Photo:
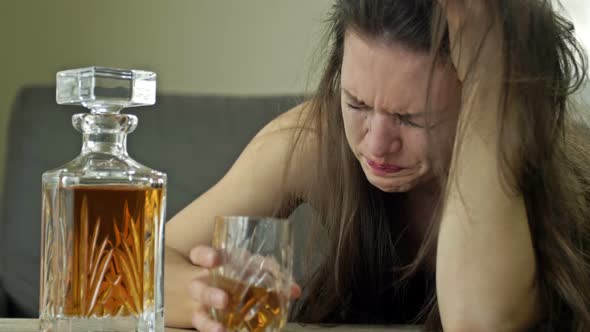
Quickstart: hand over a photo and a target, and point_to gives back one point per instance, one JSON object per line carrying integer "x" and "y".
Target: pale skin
{"x": 485, "y": 257}
{"x": 485, "y": 261}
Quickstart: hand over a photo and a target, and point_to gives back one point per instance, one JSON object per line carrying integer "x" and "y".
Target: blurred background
{"x": 254, "y": 47}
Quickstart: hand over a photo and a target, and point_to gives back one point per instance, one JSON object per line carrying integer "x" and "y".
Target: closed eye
{"x": 358, "y": 107}
{"x": 406, "y": 120}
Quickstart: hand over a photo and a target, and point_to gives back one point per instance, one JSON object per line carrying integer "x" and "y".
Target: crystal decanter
{"x": 103, "y": 214}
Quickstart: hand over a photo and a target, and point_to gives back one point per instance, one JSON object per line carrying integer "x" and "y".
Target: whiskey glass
{"x": 255, "y": 271}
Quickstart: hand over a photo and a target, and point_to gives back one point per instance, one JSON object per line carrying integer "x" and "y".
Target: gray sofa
{"x": 194, "y": 139}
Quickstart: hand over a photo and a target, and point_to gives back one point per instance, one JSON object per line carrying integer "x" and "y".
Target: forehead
{"x": 389, "y": 75}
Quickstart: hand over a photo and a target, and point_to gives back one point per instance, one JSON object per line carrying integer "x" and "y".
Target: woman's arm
{"x": 253, "y": 186}
{"x": 485, "y": 258}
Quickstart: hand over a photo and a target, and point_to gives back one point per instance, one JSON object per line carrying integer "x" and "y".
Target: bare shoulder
{"x": 290, "y": 141}
{"x": 291, "y": 121}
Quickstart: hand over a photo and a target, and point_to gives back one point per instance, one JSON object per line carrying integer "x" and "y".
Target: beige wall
{"x": 195, "y": 46}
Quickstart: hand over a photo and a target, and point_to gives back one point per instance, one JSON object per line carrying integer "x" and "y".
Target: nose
{"x": 383, "y": 135}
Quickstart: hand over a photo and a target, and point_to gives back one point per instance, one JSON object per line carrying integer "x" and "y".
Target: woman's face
{"x": 383, "y": 98}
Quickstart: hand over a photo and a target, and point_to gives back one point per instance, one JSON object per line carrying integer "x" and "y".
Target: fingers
{"x": 475, "y": 35}
{"x": 208, "y": 296}
{"x": 203, "y": 322}
{"x": 204, "y": 256}
{"x": 295, "y": 291}
{"x": 452, "y": 13}
{"x": 202, "y": 293}
{"x": 468, "y": 17}
{"x": 459, "y": 11}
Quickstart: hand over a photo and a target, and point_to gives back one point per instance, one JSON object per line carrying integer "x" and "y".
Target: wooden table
{"x": 31, "y": 325}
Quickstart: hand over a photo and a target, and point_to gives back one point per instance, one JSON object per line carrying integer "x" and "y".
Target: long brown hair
{"x": 365, "y": 262}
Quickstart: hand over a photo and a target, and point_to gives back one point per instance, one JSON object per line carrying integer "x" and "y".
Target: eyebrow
{"x": 353, "y": 97}
{"x": 362, "y": 103}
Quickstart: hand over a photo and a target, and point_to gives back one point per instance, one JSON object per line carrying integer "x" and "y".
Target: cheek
{"x": 416, "y": 144}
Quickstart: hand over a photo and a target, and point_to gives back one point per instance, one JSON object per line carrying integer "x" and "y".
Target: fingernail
{"x": 211, "y": 257}
{"x": 218, "y": 299}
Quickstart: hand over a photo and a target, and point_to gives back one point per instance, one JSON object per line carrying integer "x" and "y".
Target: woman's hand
{"x": 208, "y": 296}
{"x": 200, "y": 290}
{"x": 478, "y": 54}
{"x": 475, "y": 33}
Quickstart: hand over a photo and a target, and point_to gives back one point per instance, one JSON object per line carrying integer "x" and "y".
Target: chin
{"x": 390, "y": 186}
{"x": 393, "y": 189}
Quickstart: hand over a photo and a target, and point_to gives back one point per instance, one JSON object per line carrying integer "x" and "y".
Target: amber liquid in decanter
{"x": 109, "y": 251}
